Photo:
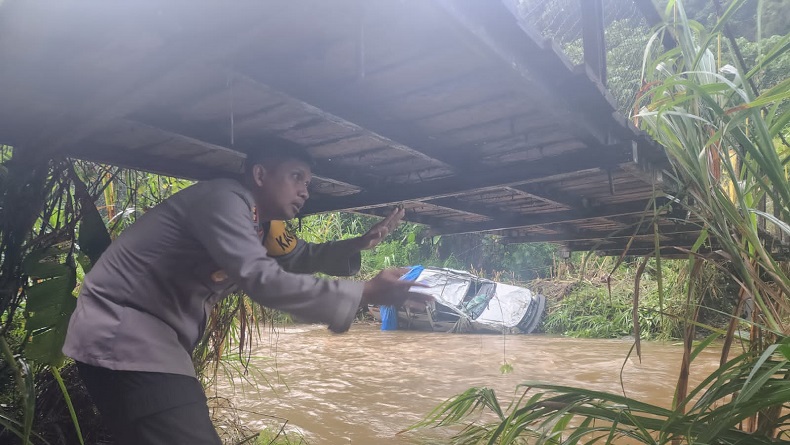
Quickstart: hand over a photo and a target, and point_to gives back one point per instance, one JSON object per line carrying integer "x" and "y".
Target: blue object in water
{"x": 389, "y": 314}
{"x": 389, "y": 317}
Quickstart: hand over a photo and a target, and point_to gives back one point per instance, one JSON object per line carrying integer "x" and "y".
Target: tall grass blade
{"x": 67, "y": 398}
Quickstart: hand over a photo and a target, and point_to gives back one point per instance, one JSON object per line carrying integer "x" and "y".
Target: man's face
{"x": 281, "y": 188}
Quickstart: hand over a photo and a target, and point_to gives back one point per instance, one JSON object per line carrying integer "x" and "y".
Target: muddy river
{"x": 365, "y": 386}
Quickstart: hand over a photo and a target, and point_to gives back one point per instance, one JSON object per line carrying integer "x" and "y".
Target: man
{"x": 143, "y": 306}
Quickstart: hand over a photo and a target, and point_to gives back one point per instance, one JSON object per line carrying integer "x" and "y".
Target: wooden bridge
{"x": 454, "y": 108}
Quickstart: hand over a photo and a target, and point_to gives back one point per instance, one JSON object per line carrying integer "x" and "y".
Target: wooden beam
{"x": 622, "y": 234}
{"x": 549, "y": 218}
{"x": 539, "y": 62}
{"x": 149, "y": 163}
{"x": 453, "y": 203}
{"x": 679, "y": 240}
{"x": 554, "y": 196}
{"x": 530, "y": 64}
{"x": 466, "y": 182}
{"x": 642, "y": 247}
{"x": 418, "y": 218}
{"x": 202, "y": 134}
{"x": 665, "y": 252}
{"x": 351, "y": 107}
{"x": 142, "y": 158}
{"x": 318, "y": 115}
{"x": 329, "y": 170}
{"x": 412, "y": 138}
{"x": 545, "y": 65}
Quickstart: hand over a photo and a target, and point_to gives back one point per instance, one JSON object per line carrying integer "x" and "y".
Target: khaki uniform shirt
{"x": 144, "y": 305}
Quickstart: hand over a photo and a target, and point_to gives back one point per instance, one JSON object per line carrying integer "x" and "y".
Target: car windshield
{"x": 477, "y": 297}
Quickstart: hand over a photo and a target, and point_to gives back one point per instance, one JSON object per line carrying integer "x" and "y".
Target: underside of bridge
{"x": 452, "y": 108}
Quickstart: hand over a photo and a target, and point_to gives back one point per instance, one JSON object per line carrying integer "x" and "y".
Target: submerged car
{"x": 467, "y": 303}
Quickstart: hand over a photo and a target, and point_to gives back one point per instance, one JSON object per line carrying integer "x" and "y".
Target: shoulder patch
{"x": 279, "y": 241}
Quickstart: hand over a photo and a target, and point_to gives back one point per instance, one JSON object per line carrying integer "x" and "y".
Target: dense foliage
{"x": 724, "y": 125}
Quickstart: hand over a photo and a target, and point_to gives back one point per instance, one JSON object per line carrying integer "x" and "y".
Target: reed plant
{"x": 719, "y": 134}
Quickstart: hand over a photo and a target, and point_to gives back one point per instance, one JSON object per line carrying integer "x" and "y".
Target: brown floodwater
{"x": 365, "y": 386}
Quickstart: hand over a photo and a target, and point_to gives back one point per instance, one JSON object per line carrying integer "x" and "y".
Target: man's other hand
{"x": 383, "y": 228}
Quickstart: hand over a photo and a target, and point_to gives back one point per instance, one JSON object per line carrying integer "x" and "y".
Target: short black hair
{"x": 265, "y": 149}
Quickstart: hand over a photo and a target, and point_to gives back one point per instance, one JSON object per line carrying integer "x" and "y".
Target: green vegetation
{"x": 551, "y": 414}
{"x": 726, "y": 139}
{"x": 47, "y": 243}
{"x": 409, "y": 245}
{"x": 598, "y": 300}
{"x": 601, "y": 306}
{"x": 773, "y": 15}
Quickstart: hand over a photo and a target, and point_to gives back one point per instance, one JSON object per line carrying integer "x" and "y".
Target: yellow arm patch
{"x": 279, "y": 240}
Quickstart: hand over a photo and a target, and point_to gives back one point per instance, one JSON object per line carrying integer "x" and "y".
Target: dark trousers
{"x": 150, "y": 408}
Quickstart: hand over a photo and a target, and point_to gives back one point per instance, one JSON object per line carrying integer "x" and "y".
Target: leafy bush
{"x": 600, "y": 305}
